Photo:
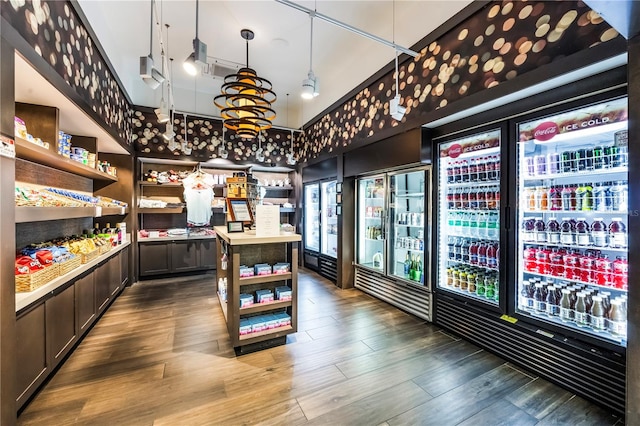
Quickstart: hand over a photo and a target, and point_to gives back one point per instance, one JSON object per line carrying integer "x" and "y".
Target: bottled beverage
{"x": 118, "y": 234}
{"x": 598, "y": 155}
{"x": 464, "y": 283}
{"x": 491, "y": 168}
{"x": 621, "y": 157}
{"x": 496, "y": 166}
{"x": 567, "y": 232}
{"x": 96, "y": 229}
{"x": 480, "y": 287}
{"x": 618, "y": 319}
{"x": 526, "y": 296}
{"x": 554, "y": 164}
{"x": 491, "y": 255}
{"x": 553, "y": 307}
{"x": 530, "y": 259}
{"x": 619, "y": 196}
{"x": 464, "y": 171}
{"x": 465, "y": 250}
{"x": 568, "y": 161}
{"x": 569, "y": 198}
{"x": 482, "y": 254}
{"x": 473, "y": 198}
{"x": 584, "y": 197}
{"x": 556, "y": 264}
{"x": 540, "y": 230}
{"x": 570, "y": 260}
{"x": 541, "y": 198}
{"x": 407, "y": 260}
{"x": 473, "y": 170}
{"x": 589, "y": 159}
{"x": 456, "y": 278}
{"x": 620, "y": 273}
{"x": 543, "y": 261}
{"x": 606, "y": 302}
{"x": 492, "y": 224}
{"x": 471, "y": 281}
{"x": 617, "y": 233}
{"x": 553, "y": 231}
{"x": 457, "y": 176}
{"x": 587, "y": 268}
{"x": 482, "y": 199}
{"x": 583, "y": 237}
{"x": 490, "y": 198}
{"x": 457, "y": 198}
{"x": 581, "y": 159}
{"x": 528, "y": 229}
{"x": 450, "y": 178}
{"x": 377, "y": 260}
{"x": 458, "y": 249}
{"x": 473, "y": 253}
{"x": 418, "y": 275}
{"x": 490, "y": 287}
{"x": 603, "y": 271}
{"x": 541, "y": 164}
{"x": 566, "y": 312}
{"x": 464, "y": 198}
{"x": 599, "y": 232}
{"x": 482, "y": 169}
{"x": 598, "y": 322}
{"x": 555, "y": 198}
{"x": 580, "y": 315}
{"x": 600, "y": 197}
{"x": 539, "y": 299}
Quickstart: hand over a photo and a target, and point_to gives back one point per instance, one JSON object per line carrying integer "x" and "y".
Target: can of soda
{"x": 588, "y": 159}
{"x": 581, "y": 159}
{"x": 530, "y": 167}
{"x": 568, "y": 160}
{"x": 541, "y": 164}
{"x": 598, "y": 154}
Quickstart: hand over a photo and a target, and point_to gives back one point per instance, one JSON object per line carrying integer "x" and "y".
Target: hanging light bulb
{"x": 169, "y": 133}
{"x": 199, "y": 54}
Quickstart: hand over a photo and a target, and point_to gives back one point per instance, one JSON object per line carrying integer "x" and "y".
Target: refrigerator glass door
{"x": 407, "y": 234}
{"x": 469, "y": 216}
{"x": 329, "y": 221}
{"x": 371, "y": 222}
{"x": 572, "y": 219}
{"x": 312, "y": 217}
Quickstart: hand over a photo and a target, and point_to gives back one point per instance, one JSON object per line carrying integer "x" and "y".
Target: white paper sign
{"x": 267, "y": 220}
{"x": 7, "y": 147}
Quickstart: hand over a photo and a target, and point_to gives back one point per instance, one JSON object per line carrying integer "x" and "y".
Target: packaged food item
{"x": 245, "y": 271}
{"x": 246, "y": 300}
{"x": 20, "y": 128}
{"x": 281, "y": 268}
{"x": 262, "y": 269}
{"x": 264, "y": 296}
{"x": 283, "y": 293}
{"x": 245, "y": 326}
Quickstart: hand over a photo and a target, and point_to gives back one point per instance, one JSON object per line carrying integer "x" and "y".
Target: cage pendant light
{"x": 245, "y": 102}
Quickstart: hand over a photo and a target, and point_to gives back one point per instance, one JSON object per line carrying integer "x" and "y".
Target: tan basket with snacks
{"x": 70, "y": 265}
{"x": 104, "y": 248}
{"x": 33, "y": 280}
{"x": 88, "y": 257}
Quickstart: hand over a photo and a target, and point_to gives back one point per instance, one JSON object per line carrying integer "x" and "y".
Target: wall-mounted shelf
{"x": 264, "y": 279}
{"x": 265, "y": 307}
{"x": 37, "y": 154}
{"x": 26, "y": 214}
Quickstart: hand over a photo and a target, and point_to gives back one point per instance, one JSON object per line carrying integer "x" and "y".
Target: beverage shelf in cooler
{"x": 480, "y": 184}
{"x": 401, "y": 225}
{"x": 373, "y": 217}
{"x": 462, "y": 262}
{"x": 583, "y": 174}
{"x": 575, "y": 246}
{"x": 573, "y": 280}
{"x": 451, "y": 233}
{"x": 467, "y": 293}
{"x": 410, "y": 250}
{"x": 474, "y": 210}
{"x": 576, "y": 212}
{"x": 374, "y": 198}
{"x": 374, "y": 239}
{"x": 409, "y": 195}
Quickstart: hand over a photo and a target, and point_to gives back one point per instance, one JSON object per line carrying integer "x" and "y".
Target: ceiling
{"x": 279, "y": 52}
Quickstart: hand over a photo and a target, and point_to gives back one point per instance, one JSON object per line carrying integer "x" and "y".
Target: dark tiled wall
{"x": 55, "y": 32}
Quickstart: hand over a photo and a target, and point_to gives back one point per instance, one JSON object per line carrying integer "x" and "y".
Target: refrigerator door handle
{"x": 383, "y": 231}
{"x": 507, "y": 220}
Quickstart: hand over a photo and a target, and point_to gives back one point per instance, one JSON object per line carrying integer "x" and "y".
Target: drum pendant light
{"x": 245, "y": 102}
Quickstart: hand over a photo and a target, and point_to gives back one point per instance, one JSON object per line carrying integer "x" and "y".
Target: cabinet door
{"x": 85, "y": 302}
{"x": 154, "y": 258}
{"x": 124, "y": 267}
{"x": 207, "y": 254}
{"x": 114, "y": 274}
{"x": 184, "y": 256}
{"x": 61, "y": 324}
{"x": 103, "y": 280}
{"x": 31, "y": 352}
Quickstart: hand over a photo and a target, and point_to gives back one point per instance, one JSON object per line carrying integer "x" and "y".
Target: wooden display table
{"x": 260, "y": 324}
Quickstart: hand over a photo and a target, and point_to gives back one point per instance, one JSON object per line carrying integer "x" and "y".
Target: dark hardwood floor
{"x": 161, "y": 355}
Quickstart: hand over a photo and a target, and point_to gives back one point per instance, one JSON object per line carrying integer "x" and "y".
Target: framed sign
{"x": 338, "y": 198}
{"x": 339, "y": 187}
{"x": 240, "y": 210}
{"x": 235, "y": 226}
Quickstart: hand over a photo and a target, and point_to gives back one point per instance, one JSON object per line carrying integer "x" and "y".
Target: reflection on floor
{"x": 161, "y": 356}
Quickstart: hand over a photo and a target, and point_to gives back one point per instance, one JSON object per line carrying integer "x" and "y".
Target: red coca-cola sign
{"x": 545, "y": 131}
{"x": 455, "y": 150}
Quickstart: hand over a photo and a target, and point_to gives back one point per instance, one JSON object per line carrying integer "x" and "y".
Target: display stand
{"x": 248, "y": 249}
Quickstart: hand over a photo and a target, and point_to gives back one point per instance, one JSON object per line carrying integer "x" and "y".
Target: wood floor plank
{"x": 377, "y": 407}
{"x": 500, "y": 413}
{"x": 539, "y": 398}
{"x": 464, "y": 401}
{"x": 579, "y": 412}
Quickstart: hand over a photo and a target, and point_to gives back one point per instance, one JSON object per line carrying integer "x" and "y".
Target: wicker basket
{"x": 70, "y": 265}
{"x": 88, "y": 257}
{"x": 30, "y": 282}
{"x": 104, "y": 248}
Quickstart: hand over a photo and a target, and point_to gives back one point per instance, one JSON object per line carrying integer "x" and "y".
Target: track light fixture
{"x": 199, "y": 54}
{"x": 310, "y": 85}
{"x": 162, "y": 113}
{"x": 245, "y": 102}
{"x": 151, "y": 76}
{"x": 169, "y": 133}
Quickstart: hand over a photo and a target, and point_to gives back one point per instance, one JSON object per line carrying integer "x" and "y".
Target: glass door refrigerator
{"x": 571, "y": 268}
{"x": 312, "y": 223}
{"x": 468, "y": 217}
{"x": 371, "y": 235}
{"x": 329, "y": 236}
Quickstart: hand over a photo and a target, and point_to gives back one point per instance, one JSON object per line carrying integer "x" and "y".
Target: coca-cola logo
{"x": 545, "y": 131}
{"x": 455, "y": 150}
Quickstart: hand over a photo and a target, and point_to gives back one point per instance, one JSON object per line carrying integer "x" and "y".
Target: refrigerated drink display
{"x": 407, "y": 245}
{"x": 572, "y": 217}
{"x": 312, "y": 217}
{"x": 468, "y": 216}
{"x": 329, "y": 238}
{"x": 371, "y": 222}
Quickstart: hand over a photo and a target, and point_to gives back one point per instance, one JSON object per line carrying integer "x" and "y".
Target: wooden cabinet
{"x": 31, "y": 352}
{"x": 124, "y": 267}
{"x": 103, "y": 286}
{"x": 185, "y": 256}
{"x": 115, "y": 273}
{"x": 85, "y": 302}
{"x": 175, "y": 256}
{"x": 61, "y": 324}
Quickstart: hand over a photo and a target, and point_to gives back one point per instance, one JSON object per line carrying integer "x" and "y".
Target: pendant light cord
{"x": 311, "y": 46}
{"x": 151, "y": 31}
{"x": 197, "y": 6}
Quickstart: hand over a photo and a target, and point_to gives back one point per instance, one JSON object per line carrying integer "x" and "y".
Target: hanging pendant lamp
{"x": 245, "y": 102}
